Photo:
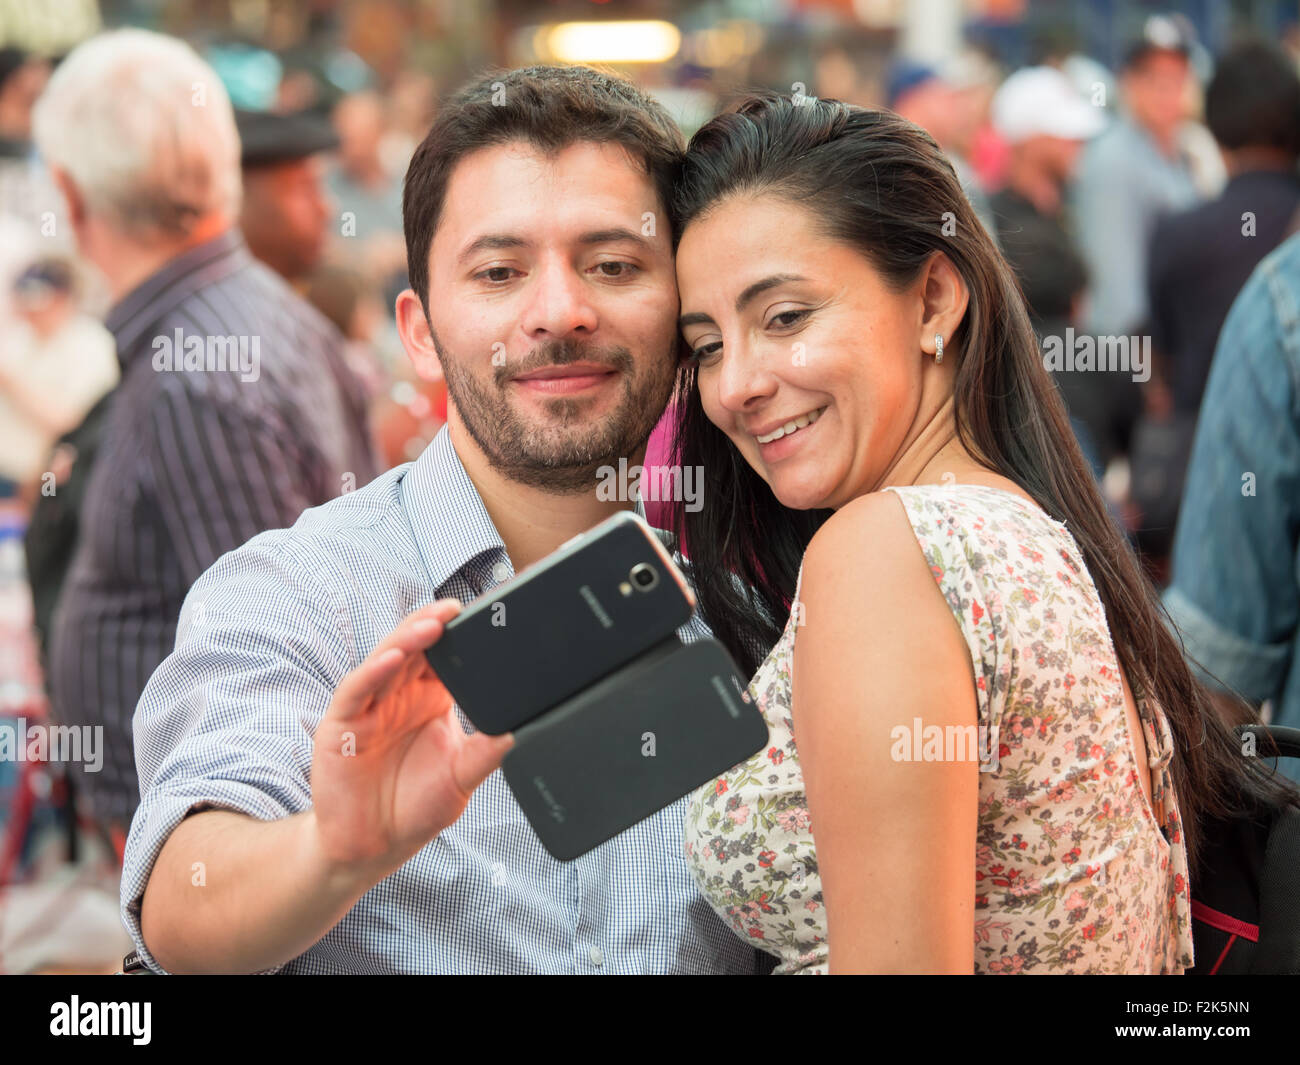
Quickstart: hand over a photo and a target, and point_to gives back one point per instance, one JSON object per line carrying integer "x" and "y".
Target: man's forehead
{"x": 516, "y": 184}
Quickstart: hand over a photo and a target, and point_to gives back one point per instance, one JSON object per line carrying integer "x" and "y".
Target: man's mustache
{"x": 562, "y": 353}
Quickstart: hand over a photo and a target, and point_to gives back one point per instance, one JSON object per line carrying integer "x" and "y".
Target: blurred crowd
{"x": 1134, "y": 205}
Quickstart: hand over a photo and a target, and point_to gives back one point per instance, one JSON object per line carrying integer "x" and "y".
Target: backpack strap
{"x": 1279, "y": 898}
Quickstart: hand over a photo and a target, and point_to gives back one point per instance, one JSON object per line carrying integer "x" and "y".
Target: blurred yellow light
{"x": 649, "y": 41}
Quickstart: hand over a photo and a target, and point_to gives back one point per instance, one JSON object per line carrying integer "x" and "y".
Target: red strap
{"x": 1224, "y": 923}
{"x": 1223, "y": 954}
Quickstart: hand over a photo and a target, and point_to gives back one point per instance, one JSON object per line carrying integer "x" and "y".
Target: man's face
{"x": 1157, "y": 91}
{"x": 285, "y": 215}
{"x": 553, "y": 302}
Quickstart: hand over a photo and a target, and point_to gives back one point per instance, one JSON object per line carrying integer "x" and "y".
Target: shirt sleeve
{"x": 220, "y": 475}
{"x": 1233, "y": 594}
{"x": 228, "y": 718}
{"x": 1110, "y": 201}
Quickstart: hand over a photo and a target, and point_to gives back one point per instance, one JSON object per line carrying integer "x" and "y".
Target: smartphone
{"x": 587, "y": 608}
{"x": 632, "y": 744}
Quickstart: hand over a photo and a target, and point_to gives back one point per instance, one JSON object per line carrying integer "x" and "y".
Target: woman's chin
{"x": 800, "y": 496}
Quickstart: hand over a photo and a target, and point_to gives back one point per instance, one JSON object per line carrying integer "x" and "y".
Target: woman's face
{"x": 790, "y": 328}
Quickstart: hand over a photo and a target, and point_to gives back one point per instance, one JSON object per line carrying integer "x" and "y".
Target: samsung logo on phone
{"x": 557, "y": 811}
{"x": 720, "y": 687}
{"x": 596, "y": 608}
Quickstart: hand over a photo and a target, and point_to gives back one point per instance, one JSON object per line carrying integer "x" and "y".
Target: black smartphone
{"x": 632, "y": 744}
{"x": 595, "y": 603}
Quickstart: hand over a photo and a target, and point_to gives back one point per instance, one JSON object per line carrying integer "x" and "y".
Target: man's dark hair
{"x": 1254, "y": 99}
{"x": 550, "y": 107}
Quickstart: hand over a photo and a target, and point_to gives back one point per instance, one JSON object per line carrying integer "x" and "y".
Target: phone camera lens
{"x": 644, "y": 577}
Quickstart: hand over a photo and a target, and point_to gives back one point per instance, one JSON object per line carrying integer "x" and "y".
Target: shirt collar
{"x": 452, "y": 529}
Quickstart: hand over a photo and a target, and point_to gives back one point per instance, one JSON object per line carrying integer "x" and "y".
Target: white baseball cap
{"x": 1040, "y": 101}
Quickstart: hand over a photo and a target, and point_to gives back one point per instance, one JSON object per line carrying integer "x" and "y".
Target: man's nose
{"x": 559, "y": 303}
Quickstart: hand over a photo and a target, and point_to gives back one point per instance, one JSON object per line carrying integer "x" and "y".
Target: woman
{"x": 885, "y": 451}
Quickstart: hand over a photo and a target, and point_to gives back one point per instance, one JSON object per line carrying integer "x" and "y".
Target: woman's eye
{"x": 786, "y": 319}
{"x": 704, "y": 351}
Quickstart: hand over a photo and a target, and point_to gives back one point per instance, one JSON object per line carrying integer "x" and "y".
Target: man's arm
{"x": 307, "y": 818}
{"x": 1233, "y": 594}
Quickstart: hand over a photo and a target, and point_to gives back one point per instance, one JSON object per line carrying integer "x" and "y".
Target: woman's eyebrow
{"x": 757, "y": 288}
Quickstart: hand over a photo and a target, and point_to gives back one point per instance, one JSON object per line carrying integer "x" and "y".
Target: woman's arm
{"x": 895, "y": 839}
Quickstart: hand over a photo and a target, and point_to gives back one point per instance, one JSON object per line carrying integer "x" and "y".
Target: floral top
{"x": 1075, "y": 872}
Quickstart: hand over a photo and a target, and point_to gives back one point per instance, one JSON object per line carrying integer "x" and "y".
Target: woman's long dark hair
{"x": 881, "y": 185}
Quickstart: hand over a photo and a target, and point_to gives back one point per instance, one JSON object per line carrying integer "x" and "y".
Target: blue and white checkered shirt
{"x": 267, "y": 634}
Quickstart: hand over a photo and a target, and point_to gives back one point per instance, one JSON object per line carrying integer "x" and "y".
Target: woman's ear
{"x": 944, "y": 298}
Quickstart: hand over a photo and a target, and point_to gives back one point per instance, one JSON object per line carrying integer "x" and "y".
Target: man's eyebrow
{"x": 610, "y": 236}
{"x": 757, "y": 288}
{"x": 491, "y": 241}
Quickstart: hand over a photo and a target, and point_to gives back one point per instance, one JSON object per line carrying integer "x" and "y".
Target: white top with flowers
{"x": 1075, "y": 871}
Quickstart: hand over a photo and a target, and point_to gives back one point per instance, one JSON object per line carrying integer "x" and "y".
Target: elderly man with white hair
{"x": 235, "y": 410}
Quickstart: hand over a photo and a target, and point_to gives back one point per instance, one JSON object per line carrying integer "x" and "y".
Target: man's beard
{"x": 566, "y": 454}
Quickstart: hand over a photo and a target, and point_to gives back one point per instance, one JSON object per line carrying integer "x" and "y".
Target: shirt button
{"x": 501, "y": 572}
{"x": 597, "y": 958}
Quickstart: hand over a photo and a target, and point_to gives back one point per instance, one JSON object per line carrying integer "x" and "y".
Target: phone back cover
{"x": 556, "y": 633}
{"x": 632, "y": 744}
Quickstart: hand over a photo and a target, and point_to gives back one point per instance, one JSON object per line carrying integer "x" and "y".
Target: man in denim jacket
{"x": 1235, "y": 593}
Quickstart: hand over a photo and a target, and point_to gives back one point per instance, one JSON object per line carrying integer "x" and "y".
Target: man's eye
{"x": 614, "y": 268}
{"x": 495, "y": 273}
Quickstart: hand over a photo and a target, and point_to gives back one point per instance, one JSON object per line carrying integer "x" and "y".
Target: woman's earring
{"x": 938, "y": 348}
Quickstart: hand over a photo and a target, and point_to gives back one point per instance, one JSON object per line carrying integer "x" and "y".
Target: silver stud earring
{"x": 938, "y": 348}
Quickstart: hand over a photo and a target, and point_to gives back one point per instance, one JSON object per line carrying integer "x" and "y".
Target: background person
{"x": 192, "y": 463}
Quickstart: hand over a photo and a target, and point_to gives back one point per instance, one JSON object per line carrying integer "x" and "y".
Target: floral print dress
{"x": 1075, "y": 871}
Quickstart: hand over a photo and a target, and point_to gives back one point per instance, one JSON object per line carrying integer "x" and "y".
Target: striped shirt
{"x": 196, "y": 457}
{"x": 227, "y": 721}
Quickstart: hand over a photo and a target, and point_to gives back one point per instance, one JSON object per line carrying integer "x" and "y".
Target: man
{"x": 1045, "y": 123}
{"x": 1201, "y": 258}
{"x": 286, "y": 210}
{"x": 1234, "y": 596}
{"x": 542, "y": 285}
{"x": 921, "y": 95}
{"x": 1131, "y": 175}
{"x": 234, "y": 412}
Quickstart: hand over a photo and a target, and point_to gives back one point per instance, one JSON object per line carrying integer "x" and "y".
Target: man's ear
{"x": 417, "y": 338}
{"x": 72, "y": 198}
{"x": 944, "y": 298}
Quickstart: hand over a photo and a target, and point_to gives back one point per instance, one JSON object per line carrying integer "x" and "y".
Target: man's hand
{"x": 392, "y": 766}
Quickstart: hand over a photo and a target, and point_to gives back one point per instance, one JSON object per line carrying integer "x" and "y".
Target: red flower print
{"x": 766, "y": 858}
{"x": 1003, "y": 750}
{"x": 976, "y": 612}
{"x": 1090, "y": 931}
{"x": 720, "y": 786}
{"x": 1179, "y": 884}
{"x": 777, "y": 755}
{"x": 755, "y": 933}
